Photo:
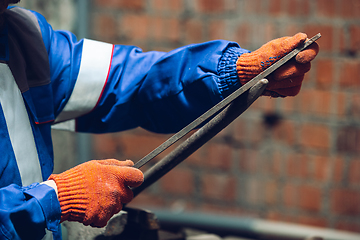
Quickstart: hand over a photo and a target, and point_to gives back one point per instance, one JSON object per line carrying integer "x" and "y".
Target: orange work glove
{"x": 92, "y": 192}
{"x": 286, "y": 80}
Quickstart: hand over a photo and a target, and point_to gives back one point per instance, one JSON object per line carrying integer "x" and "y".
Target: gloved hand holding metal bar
{"x": 240, "y": 100}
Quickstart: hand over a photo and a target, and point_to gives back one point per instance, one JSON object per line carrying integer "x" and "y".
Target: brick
{"x": 277, "y": 163}
{"x": 354, "y": 172}
{"x": 355, "y": 38}
{"x": 342, "y": 103}
{"x": 349, "y": 70}
{"x": 217, "y": 30}
{"x": 285, "y": 132}
{"x": 219, "y": 156}
{"x": 338, "y": 169}
{"x": 326, "y": 8}
{"x": 105, "y": 146}
{"x": 218, "y": 186}
{"x": 172, "y": 30}
{"x": 348, "y": 139}
{"x": 345, "y": 202}
{"x": 250, "y": 131}
{"x": 304, "y": 7}
{"x": 231, "y": 6}
{"x": 253, "y": 191}
{"x": 306, "y": 101}
{"x": 269, "y": 163}
{"x": 315, "y": 136}
{"x": 210, "y": 6}
{"x": 242, "y": 34}
{"x": 349, "y": 9}
{"x": 158, "y": 5}
{"x": 248, "y": 160}
{"x": 324, "y": 73}
{"x": 178, "y": 181}
{"x": 292, "y": 7}
{"x": 135, "y": 26}
{"x": 241, "y": 130}
{"x": 165, "y": 6}
{"x": 310, "y": 198}
{"x": 290, "y": 195}
{"x": 323, "y": 104}
{"x": 133, "y": 4}
{"x": 355, "y": 106}
{"x": 343, "y": 42}
{"x": 275, "y": 7}
{"x": 122, "y": 4}
{"x": 265, "y": 162}
{"x": 321, "y": 168}
{"x": 176, "y": 5}
{"x": 326, "y": 42}
{"x": 257, "y": 131}
{"x": 266, "y": 32}
{"x": 271, "y": 192}
{"x": 266, "y": 104}
{"x": 104, "y": 27}
{"x": 157, "y": 28}
{"x": 253, "y": 7}
{"x": 318, "y": 102}
{"x": 297, "y": 166}
{"x": 164, "y": 29}
{"x": 193, "y": 31}
{"x": 290, "y": 105}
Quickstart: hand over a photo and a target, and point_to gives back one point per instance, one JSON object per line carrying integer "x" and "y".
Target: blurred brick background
{"x": 294, "y": 159}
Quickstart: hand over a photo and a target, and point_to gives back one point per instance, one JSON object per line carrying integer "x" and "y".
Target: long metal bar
{"x": 201, "y": 136}
{"x": 221, "y": 105}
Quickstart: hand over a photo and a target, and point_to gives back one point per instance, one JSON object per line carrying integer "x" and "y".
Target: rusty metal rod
{"x": 201, "y": 136}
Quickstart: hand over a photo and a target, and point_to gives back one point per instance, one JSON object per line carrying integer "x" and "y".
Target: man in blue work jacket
{"x": 47, "y": 77}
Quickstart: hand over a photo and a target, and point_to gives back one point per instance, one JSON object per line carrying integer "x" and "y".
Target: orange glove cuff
{"x": 72, "y": 194}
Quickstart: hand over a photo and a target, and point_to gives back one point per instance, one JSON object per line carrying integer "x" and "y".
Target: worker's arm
{"x": 155, "y": 90}
{"x": 25, "y": 212}
{"x": 109, "y": 88}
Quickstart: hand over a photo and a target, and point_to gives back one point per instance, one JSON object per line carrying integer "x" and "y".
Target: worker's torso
{"x": 25, "y": 102}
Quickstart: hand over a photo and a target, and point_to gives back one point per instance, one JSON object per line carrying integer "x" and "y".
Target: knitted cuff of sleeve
{"x": 72, "y": 195}
{"x": 228, "y": 78}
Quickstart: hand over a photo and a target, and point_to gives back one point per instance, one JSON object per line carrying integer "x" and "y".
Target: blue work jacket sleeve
{"x": 162, "y": 92}
{"x": 158, "y": 91}
{"x": 25, "y": 212}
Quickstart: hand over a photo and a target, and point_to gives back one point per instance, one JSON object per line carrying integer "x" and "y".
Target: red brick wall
{"x": 306, "y": 168}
